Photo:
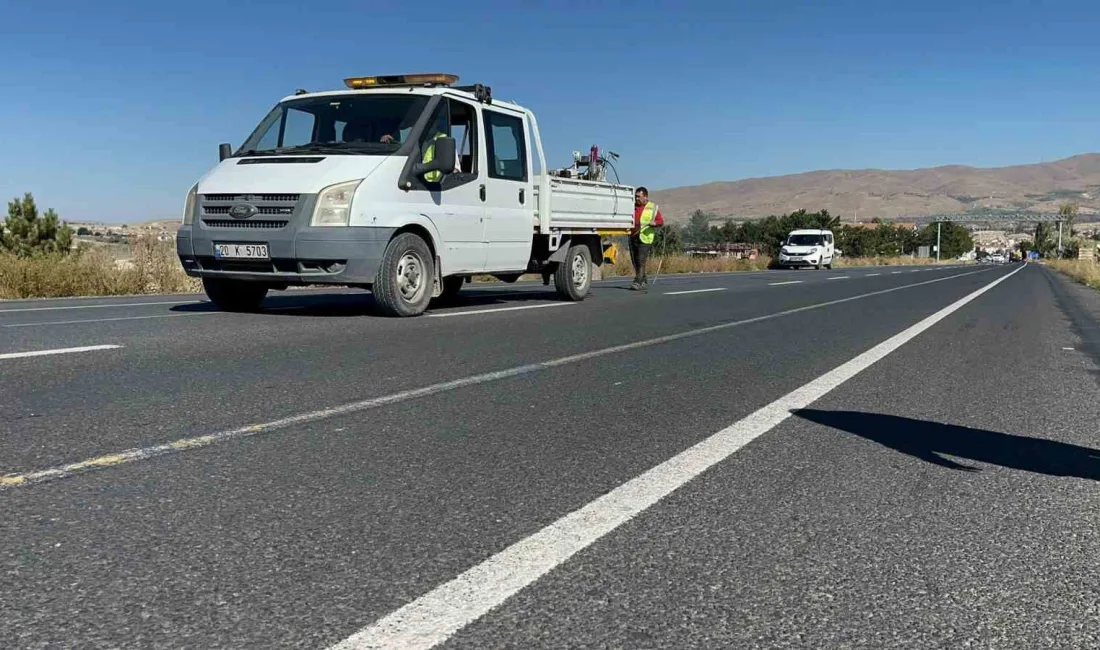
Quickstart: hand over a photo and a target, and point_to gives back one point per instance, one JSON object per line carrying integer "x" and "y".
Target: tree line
{"x": 885, "y": 239}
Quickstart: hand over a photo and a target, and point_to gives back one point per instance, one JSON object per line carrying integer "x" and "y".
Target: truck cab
{"x": 808, "y": 248}
{"x": 403, "y": 185}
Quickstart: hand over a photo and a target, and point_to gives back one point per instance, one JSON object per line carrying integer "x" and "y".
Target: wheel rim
{"x": 580, "y": 271}
{"x": 410, "y": 277}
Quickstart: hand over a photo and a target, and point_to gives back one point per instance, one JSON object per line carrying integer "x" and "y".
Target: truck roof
{"x": 412, "y": 90}
{"x": 811, "y": 231}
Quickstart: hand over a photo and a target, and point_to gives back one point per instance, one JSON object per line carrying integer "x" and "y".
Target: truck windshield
{"x": 805, "y": 240}
{"x": 339, "y": 124}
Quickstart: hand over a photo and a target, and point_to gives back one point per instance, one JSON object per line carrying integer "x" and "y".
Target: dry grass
{"x": 675, "y": 264}
{"x": 899, "y": 260}
{"x": 154, "y": 268}
{"x": 1086, "y": 272}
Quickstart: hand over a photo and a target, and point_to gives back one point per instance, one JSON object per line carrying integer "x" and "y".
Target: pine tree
{"x": 26, "y": 233}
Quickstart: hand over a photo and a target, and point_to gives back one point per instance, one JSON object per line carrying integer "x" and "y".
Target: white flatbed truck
{"x": 403, "y": 185}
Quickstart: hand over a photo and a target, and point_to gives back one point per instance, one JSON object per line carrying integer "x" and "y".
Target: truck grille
{"x": 254, "y": 224}
{"x": 224, "y": 209}
{"x": 267, "y": 198}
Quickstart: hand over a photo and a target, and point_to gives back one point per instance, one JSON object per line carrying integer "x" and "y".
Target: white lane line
{"x": 895, "y": 272}
{"x": 108, "y": 320}
{"x": 871, "y": 275}
{"x": 117, "y": 305}
{"x": 434, "y": 617}
{"x": 198, "y": 442}
{"x": 780, "y": 284}
{"x": 840, "y": 277}
{"x": 681, "y": 293}
{"x": 472, "y": 312}
{"x": 46, "y": 353}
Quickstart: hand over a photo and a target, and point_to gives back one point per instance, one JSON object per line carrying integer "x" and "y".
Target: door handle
{"x": 481, "y": 191}
{"x": 521, "y": 196}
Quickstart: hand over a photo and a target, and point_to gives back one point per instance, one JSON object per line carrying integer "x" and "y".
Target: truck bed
{"x": 578, "y": 205}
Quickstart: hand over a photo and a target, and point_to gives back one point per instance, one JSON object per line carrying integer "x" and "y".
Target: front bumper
{"x": 799, "y": 260}
{"x": 299, "y": 253}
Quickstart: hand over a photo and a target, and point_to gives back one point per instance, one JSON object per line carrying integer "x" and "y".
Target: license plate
{"x": 241, "y": 251}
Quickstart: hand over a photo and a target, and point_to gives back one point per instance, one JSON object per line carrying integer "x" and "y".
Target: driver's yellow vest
{"x": 429, "y": 155}
{"x": 646, "y": 233}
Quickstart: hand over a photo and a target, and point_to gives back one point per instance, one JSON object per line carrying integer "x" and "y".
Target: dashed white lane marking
{"x": 871, "y": 275}
{"x": 471, "y": 312}
{"x": 106, "y": 306}
{"x": 109, "y": 320}
{"x": 681, "y": 293}
{"x": 186, "y": 444}
{"x": 840, "y": 277}
{"x": 434, "y": 617}
{"x": 895, "y": 272}
{"x": 46, "y": 353}
{"x": 779, "y": 284}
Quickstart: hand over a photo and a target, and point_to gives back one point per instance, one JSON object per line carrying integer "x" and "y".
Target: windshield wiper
{"x": 339, "y": 148}
{"x": 253, "y": 152}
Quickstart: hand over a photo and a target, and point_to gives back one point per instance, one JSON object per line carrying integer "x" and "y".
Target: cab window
{"x": 507, "y": 147}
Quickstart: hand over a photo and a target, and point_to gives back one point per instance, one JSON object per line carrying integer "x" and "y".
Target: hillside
{"x": 910, "y": 194}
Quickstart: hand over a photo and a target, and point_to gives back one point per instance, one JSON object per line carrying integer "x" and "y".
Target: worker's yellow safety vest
{"x": 647, "y": 233}
{"x": 429, "y": 155}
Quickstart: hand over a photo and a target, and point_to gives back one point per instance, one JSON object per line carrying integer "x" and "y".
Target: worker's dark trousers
{"x": 639, "y": 254}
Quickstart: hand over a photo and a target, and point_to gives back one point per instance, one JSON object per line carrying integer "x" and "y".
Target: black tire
{"x": 573, "y": 277}
{"x": 235, "y": 295}
{"x": 406, "y": 276}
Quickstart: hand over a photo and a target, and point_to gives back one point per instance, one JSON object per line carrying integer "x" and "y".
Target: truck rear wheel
{"x": 234, "y": 295}
{"x": 403, "y": 286}
{"x": 573, "y": 277}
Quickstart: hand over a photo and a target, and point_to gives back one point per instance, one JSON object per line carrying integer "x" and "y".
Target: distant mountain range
{"x": 907, "y": 195}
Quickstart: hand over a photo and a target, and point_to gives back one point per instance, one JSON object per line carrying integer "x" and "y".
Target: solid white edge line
{"x": 46, "y": 353}
{"x": 681, "y": 293}
{"x": 117, "y": 305}
{"x": 495, "y": 309}
{"x": 437, "y": 615}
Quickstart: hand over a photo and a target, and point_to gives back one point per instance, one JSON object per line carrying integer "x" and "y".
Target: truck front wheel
{"x": 573, "y": 277}
{"x": 234, "y": 295}
{"x": 403, "y": 286}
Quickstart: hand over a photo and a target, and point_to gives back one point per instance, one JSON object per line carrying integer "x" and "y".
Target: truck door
{"x": 509, "y": 222}
{"x": 456, "y": 205}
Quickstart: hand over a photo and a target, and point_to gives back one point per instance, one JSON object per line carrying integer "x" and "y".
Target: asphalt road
{"x": 865, "y": 458}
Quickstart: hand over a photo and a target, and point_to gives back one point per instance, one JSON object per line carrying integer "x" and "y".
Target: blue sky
{"x": 110, "y": 110}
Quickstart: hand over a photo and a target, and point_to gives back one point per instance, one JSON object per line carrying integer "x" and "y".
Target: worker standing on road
{"x": 647, "y": 219}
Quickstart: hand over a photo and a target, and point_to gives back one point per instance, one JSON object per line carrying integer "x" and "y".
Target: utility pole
{"x": 939, "y": 224}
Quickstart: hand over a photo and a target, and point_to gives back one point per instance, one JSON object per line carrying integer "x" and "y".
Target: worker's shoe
{"x": 635, "y": 287}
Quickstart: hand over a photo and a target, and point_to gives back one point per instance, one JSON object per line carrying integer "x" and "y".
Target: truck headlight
{"x": 334, "y": 204}
{"x": 189, "y": 205}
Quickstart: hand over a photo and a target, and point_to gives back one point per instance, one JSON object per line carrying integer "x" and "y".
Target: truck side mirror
{"x": 224, "y": 151}
{"x": 443, "y": 158}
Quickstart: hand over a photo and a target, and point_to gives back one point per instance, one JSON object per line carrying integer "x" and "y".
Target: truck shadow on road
{"x": 362, "y": 304}
{"x": 931, "y": 441}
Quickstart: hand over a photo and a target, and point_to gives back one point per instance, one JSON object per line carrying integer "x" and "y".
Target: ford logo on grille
{"x": 242, "y": 210}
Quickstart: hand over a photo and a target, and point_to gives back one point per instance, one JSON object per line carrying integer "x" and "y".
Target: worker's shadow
{"x": 931, "y": 441}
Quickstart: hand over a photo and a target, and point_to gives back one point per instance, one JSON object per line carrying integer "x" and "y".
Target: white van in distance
{"x": 403, "y": 185}
{"x": 812, "y": 248}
